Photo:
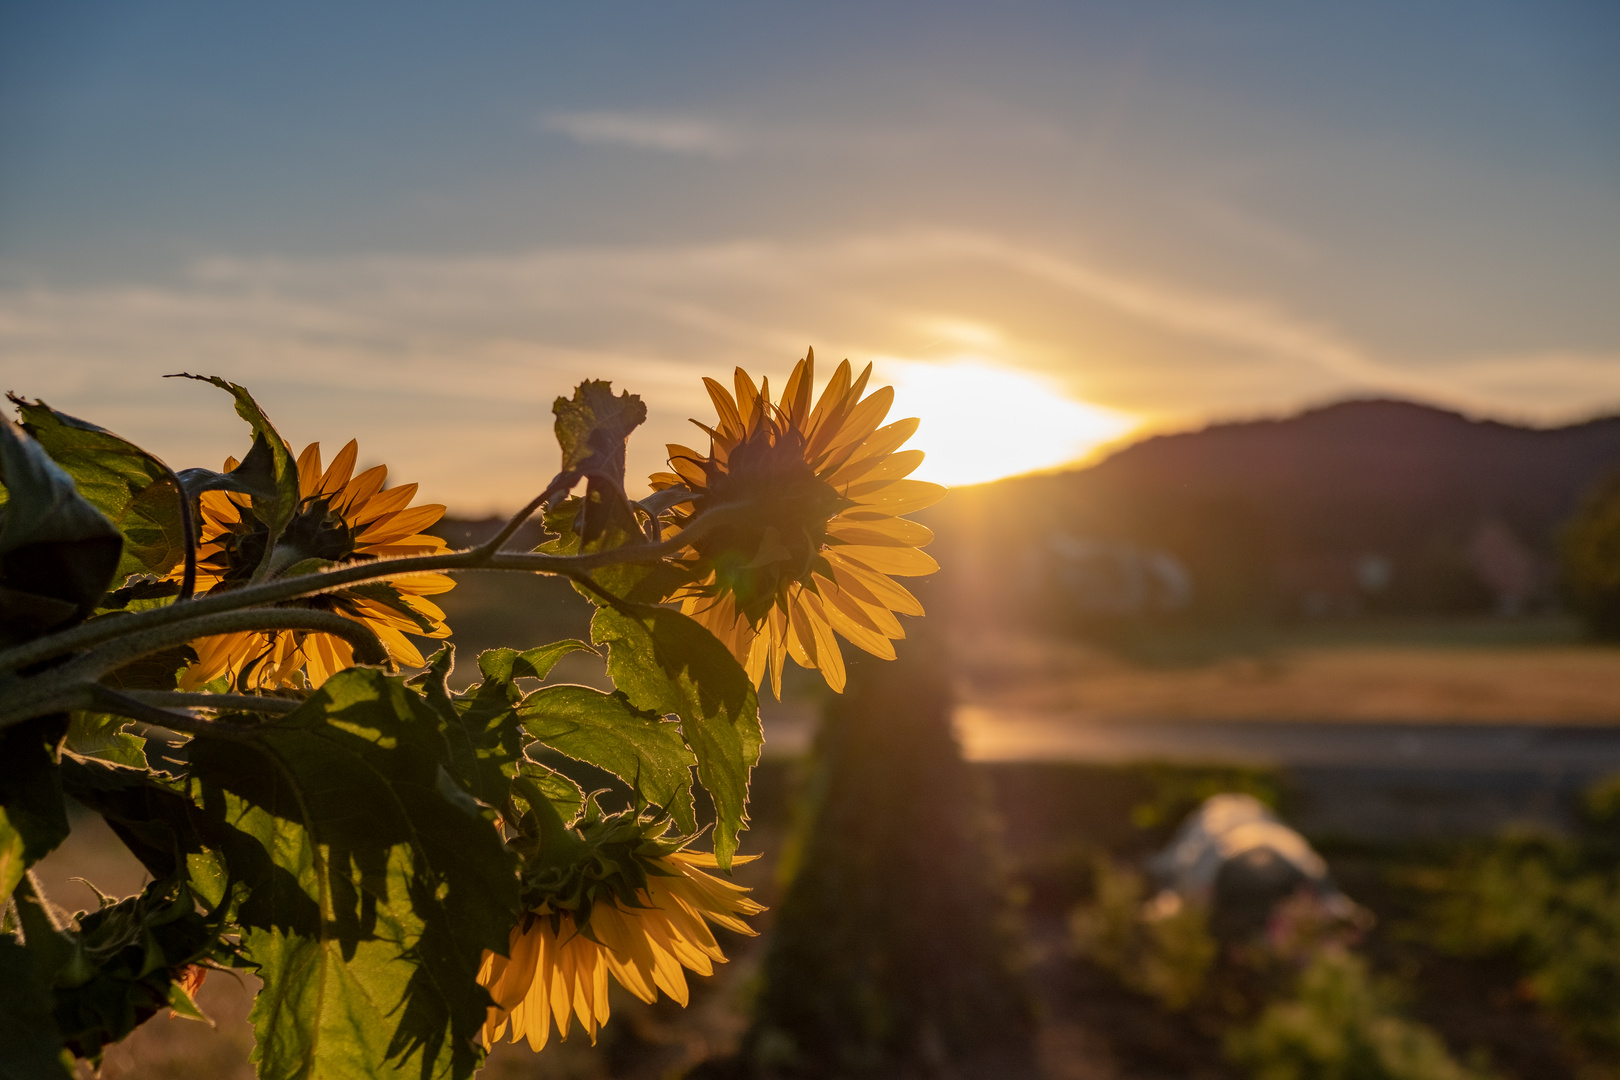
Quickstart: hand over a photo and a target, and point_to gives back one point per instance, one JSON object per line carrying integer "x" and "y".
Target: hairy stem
{"x": 176, "y": 699}
{"x": 63, "y": 688}
{"x": 272, "y": 592}
{"x": 561, "y": 483}
{"x": 108, "y": 700}
{"x": 188, "y": 536}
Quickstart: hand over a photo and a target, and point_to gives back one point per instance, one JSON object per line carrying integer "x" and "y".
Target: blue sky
{"x": 394, "y": 217}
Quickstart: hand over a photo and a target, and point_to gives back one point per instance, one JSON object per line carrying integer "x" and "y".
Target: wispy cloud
{"x": 644, "y": 131}
{"x": 413, "y": 355}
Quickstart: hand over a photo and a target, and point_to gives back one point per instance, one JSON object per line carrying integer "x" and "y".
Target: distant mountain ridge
{"x": 1272, "y": 509}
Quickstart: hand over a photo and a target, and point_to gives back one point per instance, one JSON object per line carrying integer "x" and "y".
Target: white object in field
{"x": 1225, "y": 828}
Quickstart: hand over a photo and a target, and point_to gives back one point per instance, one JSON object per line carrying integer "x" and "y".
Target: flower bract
{"x": 558, "y": 969}
{"x": 340, "y": 518}
{"x": 814, "y": 534}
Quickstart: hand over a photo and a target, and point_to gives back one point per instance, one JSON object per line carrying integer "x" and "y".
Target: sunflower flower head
{"x": 621, "y": 903}
{"x": 341, "y": 517}
{"x": 812, "y": 536}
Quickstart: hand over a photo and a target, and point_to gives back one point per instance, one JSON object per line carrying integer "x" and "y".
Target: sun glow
{"x": 981, "y": 421}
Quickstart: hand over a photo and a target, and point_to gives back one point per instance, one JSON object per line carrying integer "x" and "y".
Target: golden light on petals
{"x": 341, "y": 517}
{"x": 823, "y": 487}
{"x": 557, "y": 971}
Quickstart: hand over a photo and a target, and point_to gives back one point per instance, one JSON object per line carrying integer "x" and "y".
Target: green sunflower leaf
{"x": 30, "y": 1043}
{"x": 482, "y": 726}
{"x": 33, "y": 817}
{"x": 268, "y": 473}
{"x": 373, "y": 883}
{"x": 593, "y": 426}
{"x": 155, "y": 819}
{"x": 122, "y": 962}
{"x": 101, "y": 735}
{"x": 593, "y": 429}
{"x": 138, "y": 493}
{"x": 605, "y": 730}
{"x": 667, "y": 663}
{"x": 536, "y": 781}
{"x": 58, "y": 553}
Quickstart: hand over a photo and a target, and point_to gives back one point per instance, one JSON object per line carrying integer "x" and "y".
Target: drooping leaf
{"x": 138, "y": 493}
{"x": 268, "y": 473}
{"x": 140, "y": 593}
{"x": 155, "y": 671}
{"x": 254, "y": 475}
{"x": 373, "y": 882}
{"x": 155, "y": 819}
{"x": 593, "y": 426}
{"x": 592, "y": 429}
{"x": 667, "y": 663}
{"x": 125, "y": 958}
{"x": 102, "y": 735}
{"x": 640, "y": 748}
{"x": 482, "y": 726}
{"x": 536, "y": 781}
{"x": 33, "y": 818}
{"x": 58, "y": 553}
{"x": 30, "y": 1044}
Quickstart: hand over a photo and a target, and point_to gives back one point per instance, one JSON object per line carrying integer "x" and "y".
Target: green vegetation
{"x": 1341, "y": 1024}
{"x": 1553, "y": 906}
{"x": 362, "y": 838}
{"x": 1166, "y": 953}
{"x": 1591, "y": 560}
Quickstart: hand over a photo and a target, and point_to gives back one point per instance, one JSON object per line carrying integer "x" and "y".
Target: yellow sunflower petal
{"x": 861, "y": 422}
{"x": 750, "y": 406}
{"x": 893, "y": 466}
{"x": 829, "y": 658}
{"x": 627, "y": 957}
{"x": 402, "y": 524}
{"x": 895, "y": 496}
{"x": 886, "y": 532}
{"x": 690, "y": 471}
{"x": 730, "y": 422}
{"x": 891, "y": 593}
{"x": 337, "y": 474}
{"x": 796, "y": 397}
{"x": 386, "y": 502}
{"x": 358, "y": 492}
{"x": 885, "y": 440}
{"x": 831, "y": 401}
{"x": 309, "y": 470}
{"x": 904, "y": 562}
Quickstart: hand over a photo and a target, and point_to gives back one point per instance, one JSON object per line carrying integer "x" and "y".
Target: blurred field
{"x": 1479, "y": 672}
{"x": 1474, "y": 671}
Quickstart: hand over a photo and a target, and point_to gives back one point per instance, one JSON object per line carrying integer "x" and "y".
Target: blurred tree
{"x": 1591, "y": 559}
{"x": 894, "y": 952}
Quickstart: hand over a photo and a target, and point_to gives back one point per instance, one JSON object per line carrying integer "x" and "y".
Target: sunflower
{"x": 559, "y": 969}
{"x": 340, "y": 518}
{"x": 823, "y": 538}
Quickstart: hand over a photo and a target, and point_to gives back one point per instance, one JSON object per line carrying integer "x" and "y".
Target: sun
{"x": 982, "y": 421}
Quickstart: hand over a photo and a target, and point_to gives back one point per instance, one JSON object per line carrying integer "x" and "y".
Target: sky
{"x": 1051, "y": 226}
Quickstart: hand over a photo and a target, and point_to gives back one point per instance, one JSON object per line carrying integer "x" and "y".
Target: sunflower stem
{"x": 191, "y": 614}
{"x": 109, "y": 700}
{"x": 563, "y": 481}
{"x": 225, "y": 702}
{"x": 65, "y": 688}
{"x": 188, "y": 536}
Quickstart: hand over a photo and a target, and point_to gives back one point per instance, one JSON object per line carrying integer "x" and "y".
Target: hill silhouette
{"x": 1380, "y": 505}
